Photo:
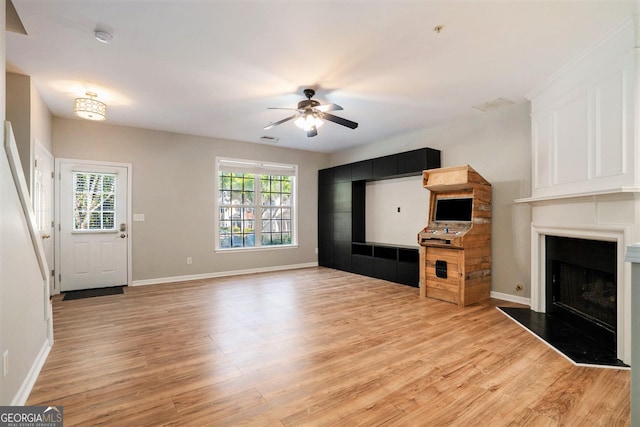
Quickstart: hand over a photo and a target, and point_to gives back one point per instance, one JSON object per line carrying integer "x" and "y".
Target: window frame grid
{"x": 259, "y": 208}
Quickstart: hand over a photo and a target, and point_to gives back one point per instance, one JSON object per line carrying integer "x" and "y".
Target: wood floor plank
{"x": 316, "y": 347}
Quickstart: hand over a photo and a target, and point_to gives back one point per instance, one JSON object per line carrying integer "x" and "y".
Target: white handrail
{"x": 11, "y": 150}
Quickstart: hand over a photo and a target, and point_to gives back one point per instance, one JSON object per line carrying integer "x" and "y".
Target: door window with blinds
{"x": 94, "y": 207}
{"x": 256, "y": 204}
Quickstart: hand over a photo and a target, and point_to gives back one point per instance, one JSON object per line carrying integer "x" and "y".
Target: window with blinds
{"x": 94, "y": 196}
{"x": 256, "y": 204}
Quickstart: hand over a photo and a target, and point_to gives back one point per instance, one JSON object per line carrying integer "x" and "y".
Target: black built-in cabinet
{"x": 341, "y": 217}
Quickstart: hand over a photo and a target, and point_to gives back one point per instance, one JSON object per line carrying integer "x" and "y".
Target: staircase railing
{"x": 11, "y": 150}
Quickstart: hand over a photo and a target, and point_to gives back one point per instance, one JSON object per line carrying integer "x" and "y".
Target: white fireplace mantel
{"x": 567, "y": 196}
{"x": 586, "y": 160}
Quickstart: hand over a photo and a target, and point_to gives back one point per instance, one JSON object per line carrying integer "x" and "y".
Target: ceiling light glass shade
{"x": 308, "y": 121}
{"x": 89, "y": 108}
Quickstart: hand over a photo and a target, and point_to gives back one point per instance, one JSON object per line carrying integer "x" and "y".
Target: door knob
{"x": 46, "y": 236}
{"x": 122, "y": 236}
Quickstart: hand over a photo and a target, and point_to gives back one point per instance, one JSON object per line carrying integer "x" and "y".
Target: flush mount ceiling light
{"x": 89, "y": 108}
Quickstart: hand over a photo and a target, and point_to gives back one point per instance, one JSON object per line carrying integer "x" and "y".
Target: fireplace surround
{"x": 618, "y": 236}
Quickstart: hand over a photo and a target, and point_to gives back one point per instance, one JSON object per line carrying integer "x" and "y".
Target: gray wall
{"x": 498, "y": 146}
{"x": 173, "y": 186}
{"x": 30, "y": 119}
{"x": 19, "y": 114}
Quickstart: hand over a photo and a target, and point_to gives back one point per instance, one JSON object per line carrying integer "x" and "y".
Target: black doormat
{"x": 90, "y": 293}
{"x": 563, "y": 337}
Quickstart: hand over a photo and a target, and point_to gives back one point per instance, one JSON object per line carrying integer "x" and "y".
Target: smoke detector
{"x": 103, "y": 36}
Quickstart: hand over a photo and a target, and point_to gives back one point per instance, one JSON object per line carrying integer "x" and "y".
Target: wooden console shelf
{"x": 455, "y": 248}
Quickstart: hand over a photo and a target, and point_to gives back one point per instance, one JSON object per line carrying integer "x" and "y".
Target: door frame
{"x": 129, "y": 215}
{"x": 54, "y": 202}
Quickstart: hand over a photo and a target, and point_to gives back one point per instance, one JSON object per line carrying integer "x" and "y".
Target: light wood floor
{"x": 311, "y": 347}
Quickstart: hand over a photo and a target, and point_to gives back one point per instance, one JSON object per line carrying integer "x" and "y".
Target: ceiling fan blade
{"x": 282, "y": 108}
{"x": 339, "y": 120}
{"x": 279, "y": 122}
{"x": 312, "y": 132}
{"x": 328, "y": 107}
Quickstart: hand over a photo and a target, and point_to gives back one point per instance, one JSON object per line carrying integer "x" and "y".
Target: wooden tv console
{"x": 455, "y": 256}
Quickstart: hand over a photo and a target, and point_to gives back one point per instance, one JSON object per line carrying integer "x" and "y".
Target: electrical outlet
{"x": 5, "y": 363}
{"x": 316, "y": 250}
{"x": 189, "y": 260}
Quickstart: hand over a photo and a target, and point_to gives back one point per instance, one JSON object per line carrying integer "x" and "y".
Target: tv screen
{"x": 453, "y": 209}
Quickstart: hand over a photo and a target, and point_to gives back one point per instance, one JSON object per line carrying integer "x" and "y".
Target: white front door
{"x": 93, "y": 226}
{"x": 42, "y": 200}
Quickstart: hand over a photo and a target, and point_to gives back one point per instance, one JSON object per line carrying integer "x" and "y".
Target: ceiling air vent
{"x": 271, "y": 139}
{"x": 493, "y": 105}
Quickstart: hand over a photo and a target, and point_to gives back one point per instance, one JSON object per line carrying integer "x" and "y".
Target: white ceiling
{"x": 211, "y": 68}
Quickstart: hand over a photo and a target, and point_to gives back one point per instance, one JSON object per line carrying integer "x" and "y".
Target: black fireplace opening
{"x": 581, "y": 286}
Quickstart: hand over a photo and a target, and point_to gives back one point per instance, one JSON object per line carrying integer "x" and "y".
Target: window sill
{"x": 255, "y": 248}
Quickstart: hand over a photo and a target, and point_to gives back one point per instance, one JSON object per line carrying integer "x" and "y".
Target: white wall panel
{"x": 609, "y": 123}
{"x": 591, "y": 106}
{"x": 542, "y": 135}
{"x": 571, "y": 142}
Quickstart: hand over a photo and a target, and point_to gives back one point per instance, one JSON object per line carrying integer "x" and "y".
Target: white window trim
{"x": 256, "y": 166}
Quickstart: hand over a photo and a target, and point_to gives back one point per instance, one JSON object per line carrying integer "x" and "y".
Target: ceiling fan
{"x": 310, "y": 115}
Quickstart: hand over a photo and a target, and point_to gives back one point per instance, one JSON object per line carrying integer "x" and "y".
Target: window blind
{"x": 244, "y": 166}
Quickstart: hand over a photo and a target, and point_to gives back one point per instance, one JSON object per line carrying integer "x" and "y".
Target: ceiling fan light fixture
{"x": 310, "y": 115}
{"x": 308, "y": 121}
{"x": 89, "y": 108}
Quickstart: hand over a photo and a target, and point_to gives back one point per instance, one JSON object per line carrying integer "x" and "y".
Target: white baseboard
{"x": 511, "y": 298}
{"x": 27, "y": 385}
{"x": 161, "y": 280}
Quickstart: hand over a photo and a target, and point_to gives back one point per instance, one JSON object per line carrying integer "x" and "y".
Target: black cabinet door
{"x": 384, "y": 269}
{"x": 433, "y": 158}
{"x": 342, "y": 197}
{"x": 325, "y": 239}
{"x": 408, "y": 273}
{"x": 415, "y": 161}
{"x": 342, "y": 228}
{"x": 342, "y": 174}
{"x": 361, "y": 264}
{"x": 325, "y": 199}
{"x": 361, "y": 171}
{"x": 342, "y": 255}
{"x": 408, "y": 269}
{"x": 383, "y": 167}
{"x": 325, "y": 176}
{"x": 411, "y": 162}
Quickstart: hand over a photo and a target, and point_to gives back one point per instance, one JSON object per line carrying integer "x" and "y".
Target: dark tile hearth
{"x": 563, "y": 337}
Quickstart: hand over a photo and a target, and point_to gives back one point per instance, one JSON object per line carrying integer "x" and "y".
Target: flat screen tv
{"x": 453, "y": 209}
